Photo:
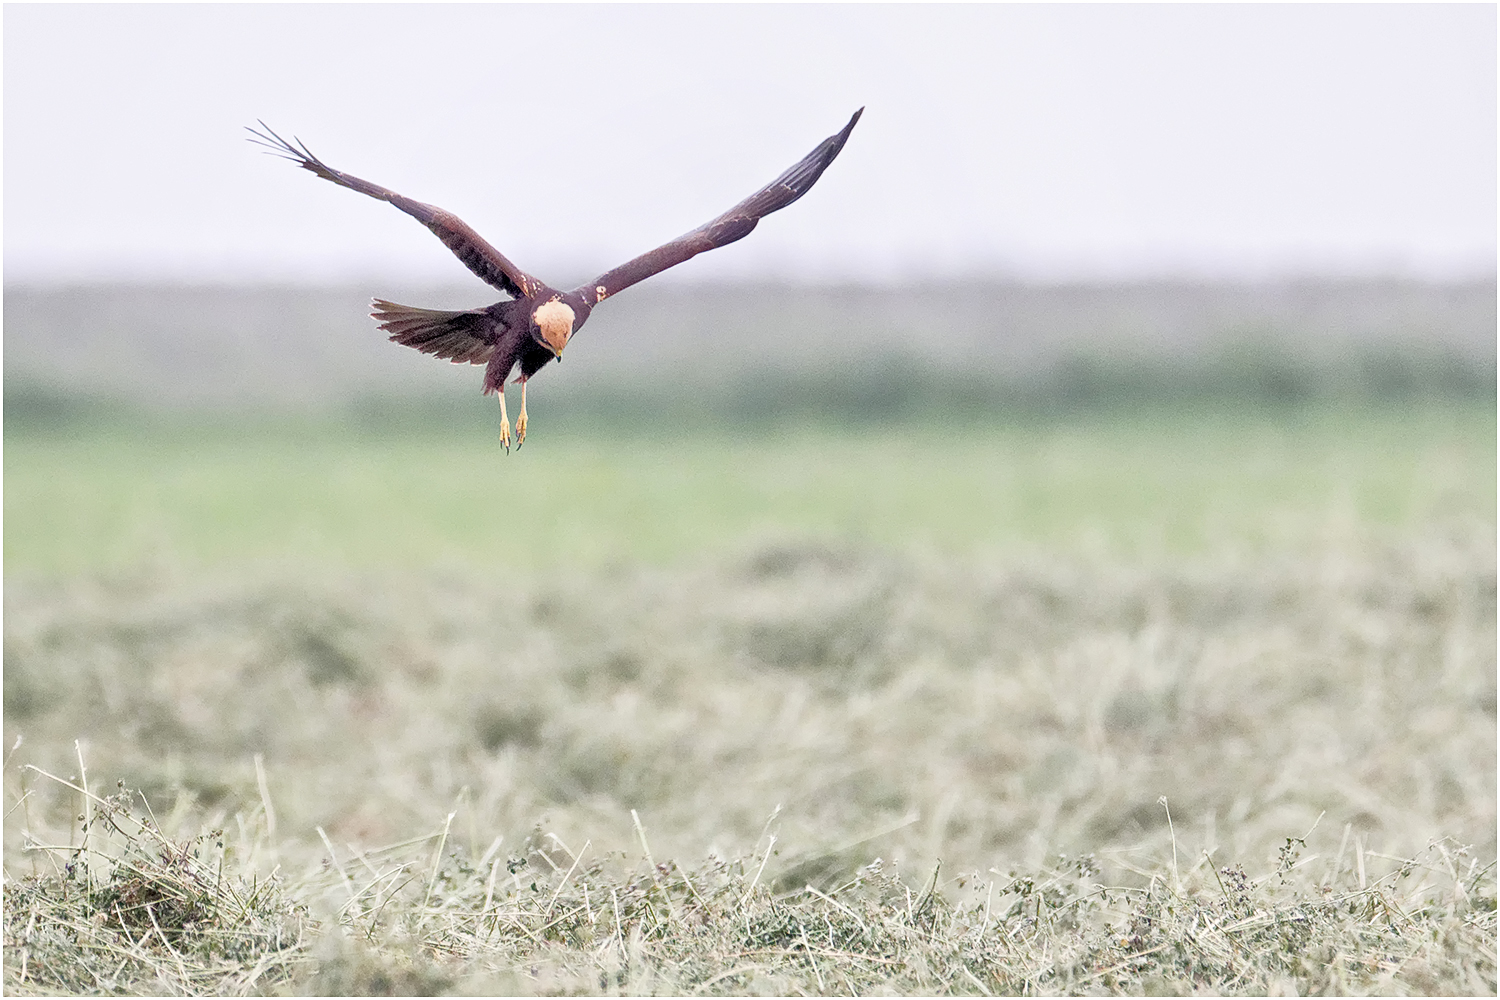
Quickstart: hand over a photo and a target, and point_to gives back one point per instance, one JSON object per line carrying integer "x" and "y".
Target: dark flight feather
{"x": 734, "y": 224}
{"x": 459, "y": 337}
{"x": 468, "y": 246}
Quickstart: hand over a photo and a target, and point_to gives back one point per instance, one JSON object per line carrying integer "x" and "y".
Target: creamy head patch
{"x": 555, "y": 320}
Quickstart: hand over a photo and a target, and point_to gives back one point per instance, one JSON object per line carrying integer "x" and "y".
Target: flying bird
{"x": 534, "y": 325}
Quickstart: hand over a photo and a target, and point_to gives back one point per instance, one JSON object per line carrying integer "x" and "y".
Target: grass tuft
{"x": 125, "y": 909}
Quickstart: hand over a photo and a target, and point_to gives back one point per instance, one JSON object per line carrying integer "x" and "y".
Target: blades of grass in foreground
{"x": 1021, "y": 709}
{"x": 162, "y": 923}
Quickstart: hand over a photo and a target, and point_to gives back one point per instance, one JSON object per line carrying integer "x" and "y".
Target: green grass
{"x": 1173, "y": 484}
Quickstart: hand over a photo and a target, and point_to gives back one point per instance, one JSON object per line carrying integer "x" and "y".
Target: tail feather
{"x": 460, "y": 337}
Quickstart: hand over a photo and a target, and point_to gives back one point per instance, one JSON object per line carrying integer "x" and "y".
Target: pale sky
{"x": 1039, "y": 142}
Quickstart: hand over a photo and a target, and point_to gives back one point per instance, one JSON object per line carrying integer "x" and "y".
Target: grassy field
{"x": 1103, "y": 705}
{"x": 1172, "y": 484}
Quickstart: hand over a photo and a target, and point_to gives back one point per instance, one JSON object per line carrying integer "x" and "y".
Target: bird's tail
{"x": 458, "y": 336}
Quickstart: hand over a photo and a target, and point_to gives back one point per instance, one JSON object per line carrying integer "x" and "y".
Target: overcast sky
{"x": 1040, "y": 142}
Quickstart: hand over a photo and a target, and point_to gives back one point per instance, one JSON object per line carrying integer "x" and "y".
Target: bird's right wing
{"x": 468, "y": 246}
{"x": 734, "y": 224}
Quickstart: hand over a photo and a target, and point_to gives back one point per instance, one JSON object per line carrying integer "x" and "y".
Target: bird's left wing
{"x": 734, "y": 224}
{"x": 468, "y": 246}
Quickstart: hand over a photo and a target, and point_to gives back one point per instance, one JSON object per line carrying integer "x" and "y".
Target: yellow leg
{"x": 521, "y": 420}
{"x": 504, "y": 424}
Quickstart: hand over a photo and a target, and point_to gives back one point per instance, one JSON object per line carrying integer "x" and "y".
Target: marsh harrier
{"x": 534, "y": 325}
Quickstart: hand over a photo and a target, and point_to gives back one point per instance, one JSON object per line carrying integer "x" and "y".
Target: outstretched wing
{"x": 467, "y": 245}
{"x": 734, "y": 224}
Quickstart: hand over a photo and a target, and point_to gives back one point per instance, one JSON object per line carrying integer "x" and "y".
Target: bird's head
{"x": 554, "y": 325}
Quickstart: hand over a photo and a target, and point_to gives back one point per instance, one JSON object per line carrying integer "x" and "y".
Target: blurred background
{"x": 1011, "y": 141}
{"x": 1046, "y": 214}
{"x": 1136, "y": 362}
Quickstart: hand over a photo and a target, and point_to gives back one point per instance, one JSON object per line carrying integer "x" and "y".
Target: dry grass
{"x": 1321, "y": 725}
{"x": 123, "y": 908}
{"x": 420, "y": 918}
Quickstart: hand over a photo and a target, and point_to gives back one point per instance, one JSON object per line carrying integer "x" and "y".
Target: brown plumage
{"x": 534, "y": 325}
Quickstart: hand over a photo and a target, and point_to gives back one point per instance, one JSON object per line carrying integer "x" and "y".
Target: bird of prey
{"x": 534, "y": 325}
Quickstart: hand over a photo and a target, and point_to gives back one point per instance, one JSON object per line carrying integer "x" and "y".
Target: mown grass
{"x": 163, "y": 917}
{"x": 401, "y": 714}
{"x": 849, "y": 704}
